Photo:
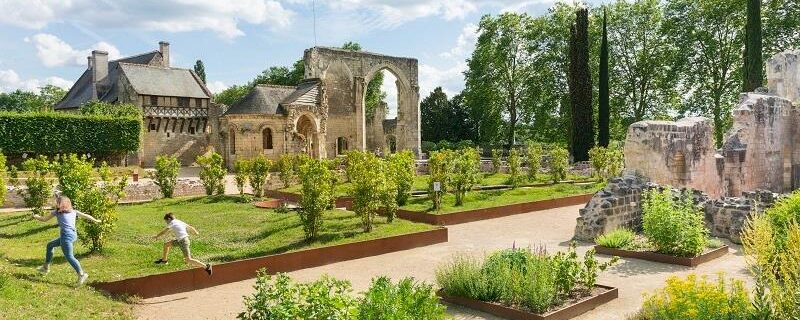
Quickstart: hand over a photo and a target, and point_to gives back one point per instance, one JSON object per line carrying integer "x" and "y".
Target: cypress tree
{"x": 753, "y": 56}
{"x": 603, "y": 107}
{"x": 580, "y": 87}
{"x": 200, "y": 70}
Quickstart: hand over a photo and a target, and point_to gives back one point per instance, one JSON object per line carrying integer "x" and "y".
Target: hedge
{"x": 54, "y": 133}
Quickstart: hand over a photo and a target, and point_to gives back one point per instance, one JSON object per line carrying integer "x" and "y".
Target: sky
{"x": 47, "y": 41}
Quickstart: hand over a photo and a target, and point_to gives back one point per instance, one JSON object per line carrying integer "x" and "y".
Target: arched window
{"x": 233, "y": 141}
{"x": 266, "y": 138}
{"x": 341, "y": 145}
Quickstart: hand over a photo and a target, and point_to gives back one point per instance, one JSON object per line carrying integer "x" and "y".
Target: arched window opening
{"x": 341, "y": 145}
{"x": 233, "y": 141}
{"x": 266, "y": 138}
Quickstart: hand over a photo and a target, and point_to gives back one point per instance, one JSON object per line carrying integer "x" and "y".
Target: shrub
{"x": 258, "y": 174}
{"x": 285, "y": 169}
{"x": 281, "y": 298}
{"x": 439, "y": 166}
{"x": 240, "y": 171}
{"x": 212, "y": 173}
{"x": 444, "y": 145}
{"x": 404, "y": 301}
{"x": 74, "y": 175}
{"x": 403, "y": 169}
{"x": 315, "y": 196}
{"x": 166, "y": 174}
{"x": 619, "y": 238}
{"x": 673, "y": 227}
{"x": 697, "y": 298}
{"x": 39, "y": 188}
{"x": 3, "y": 178}
{"x": 62, "y": 133}
{"x": 497, "y": 160}
{"x": 464, "y": 144}
{"x": 514, "y": 164}
{"x": 100, "y": 201}
{"x": 534, "y": 154}
{"x": 606, "y": 162}
{"x": 114, "y": 110}
{"x": 372, "y": 188}
{"x": 428, "y": 146}
{"x": 465, "y": 172}
{"x": 559, "y": 163}
{"x": 333, "y": 167}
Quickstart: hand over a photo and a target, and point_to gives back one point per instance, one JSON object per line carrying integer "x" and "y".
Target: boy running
{"x": 180, "y": 230}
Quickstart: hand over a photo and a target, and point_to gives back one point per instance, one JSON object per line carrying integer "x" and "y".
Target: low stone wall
{"x": 726, "y": 217}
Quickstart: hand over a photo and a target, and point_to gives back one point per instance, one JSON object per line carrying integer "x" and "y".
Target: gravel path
{"x": 552, "y": 228}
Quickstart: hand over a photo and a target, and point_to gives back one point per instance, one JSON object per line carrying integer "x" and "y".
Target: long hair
{"x": 63, "y": 204}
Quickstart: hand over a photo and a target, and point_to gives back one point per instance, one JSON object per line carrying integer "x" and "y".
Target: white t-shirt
{"x": 178, "y": 229}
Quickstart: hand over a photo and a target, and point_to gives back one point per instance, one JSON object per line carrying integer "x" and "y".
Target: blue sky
{"x": 45, "y": 41}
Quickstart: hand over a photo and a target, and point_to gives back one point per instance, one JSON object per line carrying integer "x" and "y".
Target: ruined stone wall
{"x": 249, "y": 142}
{"x": 783, "y": 75}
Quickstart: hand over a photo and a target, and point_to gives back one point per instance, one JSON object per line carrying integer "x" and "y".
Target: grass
{"x": 496, "y": 198}
{"x": 618, "y": 239}
{"x": 229, "y": 230}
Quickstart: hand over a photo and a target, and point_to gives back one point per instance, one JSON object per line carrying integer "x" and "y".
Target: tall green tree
{"x": 603, "y": 112}
{"x": 753, "y": 48}
{"x": 28, "y": 101}
{"x": 580, "y": 87}
{"x": 781, "y": 25}
{"x": 200, "y": 70}
{"x": 444, "y": 119}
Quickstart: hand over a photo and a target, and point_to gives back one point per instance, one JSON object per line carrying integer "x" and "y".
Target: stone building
{"x": 175, "y": 102}
{"x": 324, "y": 115}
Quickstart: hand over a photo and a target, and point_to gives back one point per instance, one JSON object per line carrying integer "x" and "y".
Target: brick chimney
{"x": 163, "y": 47}
{"x": 99, "y": 61}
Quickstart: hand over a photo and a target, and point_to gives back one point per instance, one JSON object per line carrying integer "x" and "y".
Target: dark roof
{"x": 262, "y": 99}
{"x": 306, "y": 93}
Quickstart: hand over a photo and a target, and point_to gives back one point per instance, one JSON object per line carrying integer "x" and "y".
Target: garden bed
{"x": 341, "y": 202}
{"x": 707, "y": 256}
{"x": 601, "y": 295}
{"x": 268, "y": 204}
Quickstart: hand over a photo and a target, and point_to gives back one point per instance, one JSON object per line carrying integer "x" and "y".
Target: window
{"x": 266, "y": 138}
{"x": 153, "y": 100}
{"x": 183, "y": 102}
{"x": 233, "y": 141}
{"x": 191, "y": 130}
{"x": 341, "y": 145}
{"x": 198, "y": 103}
{"x": 153, "y": 127}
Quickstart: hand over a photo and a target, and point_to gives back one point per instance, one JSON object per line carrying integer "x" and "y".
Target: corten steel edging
{"x": 194, "y": 279}
{"x": 269, "y": 204}
{"x": 664, "y": 258}
{"x": 567, "y": 312}
{"x": 493, "y": 212}
{"x": 341, "y": 202}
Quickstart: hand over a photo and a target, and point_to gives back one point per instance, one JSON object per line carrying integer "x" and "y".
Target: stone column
{"x": 360, "y": 142}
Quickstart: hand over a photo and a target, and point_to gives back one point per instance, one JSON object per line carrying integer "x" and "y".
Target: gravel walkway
{"x": 552, "y": 228}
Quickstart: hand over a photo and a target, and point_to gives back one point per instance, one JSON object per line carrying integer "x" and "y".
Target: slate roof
{"x": 307, "y": 93}
{"x": 262, "y": 99}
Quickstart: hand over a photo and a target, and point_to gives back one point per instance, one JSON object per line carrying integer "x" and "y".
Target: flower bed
{"x": 707, "y": 256}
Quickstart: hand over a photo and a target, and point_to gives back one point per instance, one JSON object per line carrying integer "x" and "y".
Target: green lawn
{"x": 488, "y": 199}
{"x": 228, "y": 231}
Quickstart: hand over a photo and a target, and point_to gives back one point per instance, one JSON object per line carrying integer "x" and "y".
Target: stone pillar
{"x": 360, "y": 142}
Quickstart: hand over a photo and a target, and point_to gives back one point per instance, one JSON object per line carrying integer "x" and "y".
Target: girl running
{"x": 66, "y": 217}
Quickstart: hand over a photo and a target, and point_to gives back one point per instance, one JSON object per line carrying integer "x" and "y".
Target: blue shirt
{"x": 66, "y": 221}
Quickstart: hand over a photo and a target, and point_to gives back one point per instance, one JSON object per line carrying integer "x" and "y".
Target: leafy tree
{"x": 603, "y": 112}
{"x": 49, "y": 95}
{"x": 212, "y": 173}
{"x": 580, "y": 87}
{"x": 100, "y": 201}
{"x": 27, "y": 101}
{"x": 402, "y": 169}
{"x": 559, "y": 163}
{"x": 3, "y": 178}
{"x": 534, "y": 155}
{"x": 232, "y": 94}
{"x": 166, "y": 174}
{"x": 315, "y": 196}
{"x": 258, "y": 174}
{"x": 74, "y": 175}
{"x": 38, "y": 186}
{"x": 514, "y": 164}
{"x": 781, "y": 20}
{"x": 497, "y": 160}
{"x": 240, "y": 170}
{"x": 200, "y": 70}
{"x": 285, "y": 169}
{"x": 439, "y": 166}
{"x": 372, "y": 188}
{"x": 466, "y": 165}
{"x": 283, "y": 76}
{"x": 435, "y": 116}
{"x": 116, "y": 110}
{"x": 753, "y": 47}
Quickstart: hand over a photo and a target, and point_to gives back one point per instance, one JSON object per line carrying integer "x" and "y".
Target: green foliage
{"x": 402, "y": 169}
{"x": 100, "y": 201}
{"x": 61, "y": 133}
{"x": 38, "y": 186}
{"x": 606, "y": 162}
{"x": 619, "y": 239}
{"x": 285, "y": 169}
{"x": 166, "y": 174}
{"x": 405, "y": 300}
{"x": 439, "y": 167}
{"x": 3, "y": 178}
{"x": 26, "y": 101}
{"x": 240, "y": 170}
{"x": 696, "y": 298}
{"x": 559, "y": 163}
{"x": 445, "y": 119}
{"x": 497, "y": 160}
{"x": 514, "y": 165}
{"x": 673, "y": 227}
{"x": 114, "y": 110}
{"x": 200, "y": 70}
{"x": 580, "y": 87}
{"x": 534, "y": 155}
{"x": 281, "y": 298}
{"x": 428, "y": 146}
{"x": 316, "y": 196}
{"x": 444, "y": 145}
{"x": 212, "y": 172}
{"x": 372, "y": 187}
{"x": 258, "y": 174}
{"x": 232, "y": 94}
{"x": 465, "y": 174}
{"x": 603, "y": 109}
{"x": 74, "y": 175}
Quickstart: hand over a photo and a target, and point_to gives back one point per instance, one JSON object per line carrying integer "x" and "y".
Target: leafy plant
{"x": 534, "y": 153}
{"x": 3, "y": 178}
{"x": 514, "y": 164}
{"x": 606, "y": 162}
{"x": 74, "y": 175}
{"x": 240, "y": 170}
{"x": 372, "y": 188}
{"x": 465, "y": 172}
{"x": 619, "y": 238}
{"x": 212, "y": 173}
{"x": 258, "y": 174}
{"x": 100, "y": 201}
{"x": 402, "y": 169}
{"x": 559, "y": 163}
{"x": 114, "y": 110}
{"x": 38, "y": 187}
{"x": 405, "y": 300}
{"x": 497, "y": 160}
{"x": 697, "y": 298}
{"x": 315, "y": 196}
{"x": 166, "y": 174}
{"x": 673, "y": 227}
{"x": 439, "y": 166}
{"x": 285, "y": 169}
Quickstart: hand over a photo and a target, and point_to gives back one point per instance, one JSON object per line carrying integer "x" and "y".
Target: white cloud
{"x": 465, "y": 43}
{"x": 54, "y": 52}
{"x": 221, "y": 17}
{"x": 390, "y": 87}
{"x": 451, "y": 78}
{"x": 10, "y": 81}
{"x": 216, "y": 86}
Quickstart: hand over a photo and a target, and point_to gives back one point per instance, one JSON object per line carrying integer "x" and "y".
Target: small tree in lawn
{"x": 258, "y": 174}
{"x": 559, "y": 164}
{"x": 439, "y": 166}
{"x": 166, "y": 175}
{"x": 316, "y": 197}
{"x": 100, "y": 201}
{"x": 371, "y": 187}
{"x": 333, "y": 167}
{"x": 3, "y": 178}
{"x": 241, "y": 169}
{"x": 285, "y": 169}
{"x": 212, "y": 173}
{"x": 534, "y": 153}
{"x": 514, "y": 165}
{"x": 497, "y": 160}
{"x": 74, "y": 175}
{"x": 402, "y": 170}
{"x": 38, "y": 186}
{"x": 465, "y": 174}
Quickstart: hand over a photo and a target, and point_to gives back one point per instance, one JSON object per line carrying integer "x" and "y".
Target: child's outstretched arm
{"x": 88, "y": 217}
{"x": 163, "y": 231}
{"x": 193, "y": 229}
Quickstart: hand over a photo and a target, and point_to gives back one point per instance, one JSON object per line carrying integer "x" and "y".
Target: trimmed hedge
{"x": 56, "y": 133}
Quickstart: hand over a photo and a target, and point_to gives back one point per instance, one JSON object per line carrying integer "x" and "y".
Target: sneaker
{"x": 161, "y": 261}
{"x": 43, "y": 269}
{"x": 208, "y": 269}
{"x": 82, "y": 279}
